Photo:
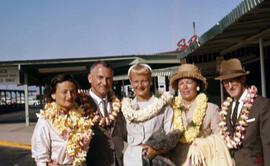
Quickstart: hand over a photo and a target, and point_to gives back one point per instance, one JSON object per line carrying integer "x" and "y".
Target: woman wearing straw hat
{"x": 194, "y": 116}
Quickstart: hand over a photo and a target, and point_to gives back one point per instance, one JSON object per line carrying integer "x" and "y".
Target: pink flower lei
{"x": 233, "y": 141}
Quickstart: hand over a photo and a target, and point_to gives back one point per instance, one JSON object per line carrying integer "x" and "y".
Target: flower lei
{"x": 73, "y": 127}
{"x": 108, "y": 120}
{"x": 151, "y": 111}
{"x": 96, "y": 118}
{"x": 234, "y": 140}
{"x": 193, "y": 129}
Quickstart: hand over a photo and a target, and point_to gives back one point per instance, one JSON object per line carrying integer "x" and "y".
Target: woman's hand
{"x": 52, "y": 163}
{"x": 195, "y": 156}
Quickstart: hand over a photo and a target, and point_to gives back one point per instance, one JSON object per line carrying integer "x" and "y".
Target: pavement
{"x": 13, "y": 130}
{"x": 16, "y": 135}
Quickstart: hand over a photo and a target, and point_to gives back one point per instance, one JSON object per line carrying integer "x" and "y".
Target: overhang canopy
{"x": 41, "y": 71}
{"x": 242, "y": 27}
{"x": 156, "y": 73}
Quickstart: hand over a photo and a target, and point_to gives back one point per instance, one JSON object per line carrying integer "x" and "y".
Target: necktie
{"x": 234, "y": 115}
{"x": 104, "y": 105}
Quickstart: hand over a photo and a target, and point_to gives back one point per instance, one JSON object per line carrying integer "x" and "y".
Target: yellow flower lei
{"x": 73, "y": 126}
{"x": 193, "y": 129}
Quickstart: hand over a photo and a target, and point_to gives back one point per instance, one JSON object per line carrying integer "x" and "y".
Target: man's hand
{"x": 149, "y": 152}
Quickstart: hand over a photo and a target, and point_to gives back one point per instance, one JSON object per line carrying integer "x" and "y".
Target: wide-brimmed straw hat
{"x": 187, "y": 71}
{"x": 231, "y": 68}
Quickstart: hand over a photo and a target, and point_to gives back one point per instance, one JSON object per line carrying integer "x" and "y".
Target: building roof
{"x": 242, "y": 27}
{"x": 41, "y": 71}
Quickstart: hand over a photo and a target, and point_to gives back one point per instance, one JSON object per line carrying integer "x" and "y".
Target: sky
{"x": 49, "y": 29}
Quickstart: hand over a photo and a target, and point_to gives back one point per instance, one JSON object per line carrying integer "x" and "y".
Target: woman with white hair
{"x": 145, "y": 115}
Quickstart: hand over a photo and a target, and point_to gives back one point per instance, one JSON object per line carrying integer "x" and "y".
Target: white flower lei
{"x": 193, "y": 129}
{"x": 234, "y": 140}
{"x": 151, "y": 111}
{"x": 73, "y": 127}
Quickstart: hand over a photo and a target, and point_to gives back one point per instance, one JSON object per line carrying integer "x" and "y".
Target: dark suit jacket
{"x": 107, "y": 145}
{"x": 255, "y": 150}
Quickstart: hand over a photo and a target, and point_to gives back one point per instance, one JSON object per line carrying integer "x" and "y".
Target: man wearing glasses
{"x": 245, "y": 117}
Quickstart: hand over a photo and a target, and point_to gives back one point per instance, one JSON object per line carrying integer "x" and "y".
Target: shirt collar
{"x": 243, "y": 96}
{"x": 96, "y": 98}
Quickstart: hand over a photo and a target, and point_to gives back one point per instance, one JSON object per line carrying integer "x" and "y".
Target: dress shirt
{"x": 241, "y": 103}
{"x": 99, "y": 103}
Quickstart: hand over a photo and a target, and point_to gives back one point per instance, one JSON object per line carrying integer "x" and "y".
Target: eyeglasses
{"x": 231, "y": 81}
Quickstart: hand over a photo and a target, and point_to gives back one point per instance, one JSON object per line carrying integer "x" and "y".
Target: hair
{"x": 102, "y": 63}
{"x": 140, "y": 69}
{"x": 198, "y": 82}
{"x": 49, "y": 90}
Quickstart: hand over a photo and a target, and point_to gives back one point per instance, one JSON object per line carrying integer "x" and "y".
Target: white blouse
{"x": 139, "y": 133}
{"x": 47, "y": 145}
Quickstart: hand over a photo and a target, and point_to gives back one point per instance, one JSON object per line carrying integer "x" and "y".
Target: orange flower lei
{"x": 96, "y": 118}
{"x": 234, "y": 140}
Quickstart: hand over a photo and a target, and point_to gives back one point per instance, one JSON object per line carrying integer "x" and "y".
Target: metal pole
{"x": 26, "y": 99}
{"x": 218, "y": 61}
{"x": 194, "y": 28}
{"x": 155, "y": 85}
{"x": 41, "y": 95}
{"x": 221, "y": 92}
{"x": 123, "y": 87}
{"x": 262, "y": 68}
{"x": 5, "y": 97}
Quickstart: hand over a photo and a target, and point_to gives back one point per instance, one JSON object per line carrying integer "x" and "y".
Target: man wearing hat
{"x": 245, "y": 117}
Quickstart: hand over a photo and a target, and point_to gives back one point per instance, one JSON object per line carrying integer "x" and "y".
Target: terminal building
{"x": 243, "y": 33}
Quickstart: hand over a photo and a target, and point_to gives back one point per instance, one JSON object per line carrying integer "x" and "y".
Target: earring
{"x": 198, "y": 88}
{"x": 53, "y": 96}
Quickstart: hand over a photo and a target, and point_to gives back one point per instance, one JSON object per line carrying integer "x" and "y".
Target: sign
{"x": 161, "y": 79}
{"x": 161, "y": 84}
{"x": 9, "y": 75}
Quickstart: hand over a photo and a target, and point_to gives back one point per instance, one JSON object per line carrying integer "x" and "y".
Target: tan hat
{"x": 231, "y": 68}
{"x": 187, "y": 71}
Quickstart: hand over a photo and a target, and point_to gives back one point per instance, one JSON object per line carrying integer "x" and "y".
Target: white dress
{"x": 139, "y": 133}
{"x": 47, "y": 144}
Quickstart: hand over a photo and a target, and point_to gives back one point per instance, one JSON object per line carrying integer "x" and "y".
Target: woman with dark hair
{"x": 51, "y": 88}
{"x": 63, "y": 132}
